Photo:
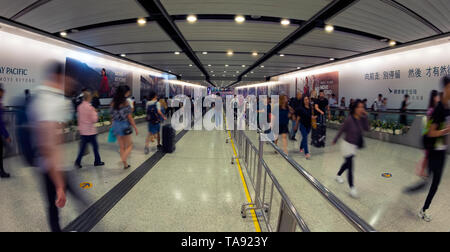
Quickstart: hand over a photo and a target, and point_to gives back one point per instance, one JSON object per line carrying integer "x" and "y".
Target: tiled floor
{"x": 382, "y": 203}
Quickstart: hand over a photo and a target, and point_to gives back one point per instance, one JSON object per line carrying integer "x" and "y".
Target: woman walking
{"x": 353, "y": 128}
{"x": 87, "y": 117}
{"x": 283, "y": 123}
{"x": 305, "y": 114}
{"x": 123, "y": 123}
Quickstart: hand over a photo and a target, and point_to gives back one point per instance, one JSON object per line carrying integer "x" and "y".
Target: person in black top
{"x": 403, "y": 110}
{"x": 294, "y": 107}
{"x": 321, "y": 106}
{"x": 305, "y": 117}
{"x": 438, "y": 132}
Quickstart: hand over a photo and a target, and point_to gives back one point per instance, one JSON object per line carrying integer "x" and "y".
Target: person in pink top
{"x": 87, "y": 118}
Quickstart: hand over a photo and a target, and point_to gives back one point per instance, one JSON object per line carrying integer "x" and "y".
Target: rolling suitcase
{"x": 168, "y": 139}
{"x": 319, "y": 135}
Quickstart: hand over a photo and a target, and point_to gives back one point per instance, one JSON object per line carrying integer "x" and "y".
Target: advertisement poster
{"x": 263, "y": 90}
{"x": 284, "y": 89}
{"x": 274, "y": 90}
{"x": 151, "y": 83}
{"x": 91, "y": 77}
{"x": 252, "y": 91}
{"x": 329, "y": 82}
{"x": 172, "y": 90}
{"x": 188, "y": 91}
{"x": 245, "y": 92}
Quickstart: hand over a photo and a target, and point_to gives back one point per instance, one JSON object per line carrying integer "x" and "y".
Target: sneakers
{"x": 78, "y": 166}
{"x": 354, "y": 193}
{"x": 146, "y": 150}
{"x": 308, "y": 156}
{"x": 340, "y": 180}
{"x": 424, "y": 216}
{"x": 99, "y": 164}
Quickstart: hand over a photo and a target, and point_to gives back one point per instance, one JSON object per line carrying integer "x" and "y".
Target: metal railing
{"x": 265, "y": 186}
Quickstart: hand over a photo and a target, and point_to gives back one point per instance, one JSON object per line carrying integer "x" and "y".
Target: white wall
{"x": 352, "y": 74}
{"x": 30, "y": 51}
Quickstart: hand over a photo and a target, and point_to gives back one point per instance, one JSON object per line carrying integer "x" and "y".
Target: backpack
{"x": 152, "y": 114}
{"x": 25, "y": 134}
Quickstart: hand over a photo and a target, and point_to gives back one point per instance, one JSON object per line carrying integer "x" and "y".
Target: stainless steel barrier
{"x": 265, "y": 186}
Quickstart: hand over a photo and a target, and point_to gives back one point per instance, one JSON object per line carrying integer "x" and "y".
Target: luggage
{"x": 319, "y": 135}
{"x": 168, "y": 139}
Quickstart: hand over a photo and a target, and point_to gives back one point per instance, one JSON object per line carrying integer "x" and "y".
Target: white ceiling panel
{"x": 340, "y": 40}
{"x": 9, "y": 8}
{"x": 435, "y": 11}
{"x": 59, "y": 15}
{"x": 299, "y": 49}
{"x": 163, "y": 46}
{"x": 225, "y": 30}
{"x": 376, "y": 17}
{"x": 238, "y": 46}
{"x": 119, "y": 34}
{"x": 296, "y": 9}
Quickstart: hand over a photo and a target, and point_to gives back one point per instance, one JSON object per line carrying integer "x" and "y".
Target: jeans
{"x": 305, "y": 133}
{"x": 348, "y": 165}
{"x": 294, "y": 129}
{"x": 84, "y": 141}
{"x": 436, "y": 162}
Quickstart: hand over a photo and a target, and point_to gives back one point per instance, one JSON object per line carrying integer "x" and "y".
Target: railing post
{"x": 259, "y": 173}
{"x": 286, "y": 222}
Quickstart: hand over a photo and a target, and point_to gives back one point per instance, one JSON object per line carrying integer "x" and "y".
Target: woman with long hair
{"x": 123, "y": 123}
{"x": 283, "y": 122}
{"x": 306, "y": 116}
{"x": 353, "y": 128}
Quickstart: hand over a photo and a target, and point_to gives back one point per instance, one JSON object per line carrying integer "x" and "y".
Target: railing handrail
{"x": 389, "y": 111}
{"x": 357, "y": 221}
{"x": 302, "y": 224}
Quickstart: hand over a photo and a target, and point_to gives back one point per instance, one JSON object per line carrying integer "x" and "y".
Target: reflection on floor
{"x": 382, "y": 203}
{"x": 195, "y": 189}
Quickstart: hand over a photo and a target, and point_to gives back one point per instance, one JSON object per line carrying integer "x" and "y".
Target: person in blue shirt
{"x": 4, "y": 136}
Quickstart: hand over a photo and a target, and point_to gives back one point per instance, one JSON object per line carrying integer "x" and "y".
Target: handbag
{"x": 128, "y": 131}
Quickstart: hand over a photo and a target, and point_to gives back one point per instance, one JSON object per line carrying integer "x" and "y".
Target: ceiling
{"x": 111, "y": 25}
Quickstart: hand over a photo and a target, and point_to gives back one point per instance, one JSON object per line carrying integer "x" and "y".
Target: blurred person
{"x": 321, "y": 106}
{"x": 49, "y": 111}
{"x": 365, "y": 104}
{"x": 333, "y": 103}
{"x": 283, "y": 121}
{"x": 294, "y": 106}
{"x": 4, "y": 135}
{"x": 403, "y": 110}
{"x": 87, "y": 118}
{"x": 164, "y": 107}
{"x": 123, "y": 123}
{"x": 437, "y": 135}
{"x": 342, "y": 107}
{"x": 356, "y": 123}
{"x": 154, "y": 116}
{"x": 95, "y": 100}
{"x": 377, "y": 105}
{"x": 27, "y": 95}
{"x": 384, "y": 105}
{"x": 305, "y": 117}
{"x": 351, "y": 102}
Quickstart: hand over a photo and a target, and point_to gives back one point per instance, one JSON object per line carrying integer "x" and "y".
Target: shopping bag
{"x": 111, "y": 137}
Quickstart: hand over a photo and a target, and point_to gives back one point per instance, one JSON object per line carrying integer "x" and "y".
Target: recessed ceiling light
{"x": 299, "y": 68}
{"x": 392, "y": 43}
{"x": 190, "y": 65}
{"x": 224, "y": 71}
{"x": 123, "y": 55}
{"x": 226, "y": 65}
{"x": 332, "y": 59}
{"x": 243, "y": 65}
{"x": 262, "y": 66}
{"x": 240, "y": 19}
{"x": 177, "y": 53}
{"x": 209, "y": 65}
{"x": 237, "y": 71}
{"x": 329, "y": 28}
{"x": 191, "y": 18}
{"x": 230, "y": 53}
{"x": 285, "y": 22}
{"x": 255, "y": 54}
{"x": 281, "y": 55}
{"x": 252, "y": 72}
{"x": 212, "y": 71}
{"x": 142, "y": 21}
{"x": 204, "y": 53}
{"x": 63, "y": 34}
